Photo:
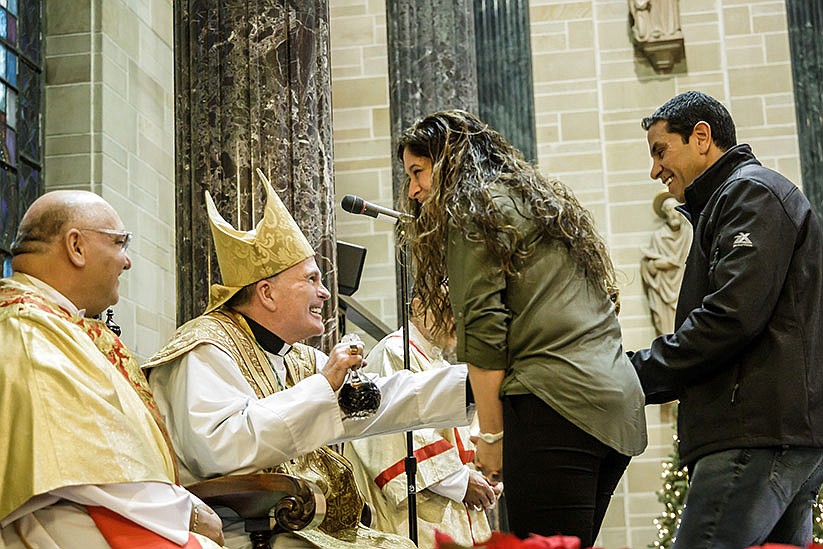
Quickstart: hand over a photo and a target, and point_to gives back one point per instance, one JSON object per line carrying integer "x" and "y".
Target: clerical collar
{"x": 268, "y": 339}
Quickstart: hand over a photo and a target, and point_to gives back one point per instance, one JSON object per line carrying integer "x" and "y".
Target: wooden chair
{"x": 269, "y": 503}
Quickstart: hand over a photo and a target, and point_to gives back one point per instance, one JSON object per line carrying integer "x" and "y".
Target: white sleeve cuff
{"x": 453, "y": 486}
{"x": 165, "y": 509}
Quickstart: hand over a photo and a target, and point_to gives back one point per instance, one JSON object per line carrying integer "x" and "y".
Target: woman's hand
{"x": 479, "y": 493}
{"x": 488, "y": 459}
{"x": 486, "y": 387}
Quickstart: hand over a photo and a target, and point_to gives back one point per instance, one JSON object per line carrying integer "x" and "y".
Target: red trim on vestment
{"x": 121, "y": 533}
{"x": 471, "y": 530}
{"x": 466, "y": 456}
{"x": 422, "y": 454}
{"x": 411, "y": 343}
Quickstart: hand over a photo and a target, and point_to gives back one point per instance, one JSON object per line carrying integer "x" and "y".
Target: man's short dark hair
{"x": 242, "y": 297}
{"x": 34, "y": 235}
{"x": 684, "y": 111}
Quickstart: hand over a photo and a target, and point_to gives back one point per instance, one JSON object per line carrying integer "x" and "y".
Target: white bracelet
{"x": 490, "y": 438}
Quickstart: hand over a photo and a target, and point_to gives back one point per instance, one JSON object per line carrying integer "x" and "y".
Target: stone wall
{"x": 109, "y": 128}
{"x": 362, "y": 141}
{"x": 591, "y": 90}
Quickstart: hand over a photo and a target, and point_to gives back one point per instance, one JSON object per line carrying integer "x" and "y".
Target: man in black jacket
{"x": 746, "y": 358}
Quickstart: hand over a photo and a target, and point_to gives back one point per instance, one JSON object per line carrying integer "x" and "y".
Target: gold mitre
{"x": 245, "y": 257}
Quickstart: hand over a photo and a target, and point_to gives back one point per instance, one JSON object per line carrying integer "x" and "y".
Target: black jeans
{"x": 558, "y": 479}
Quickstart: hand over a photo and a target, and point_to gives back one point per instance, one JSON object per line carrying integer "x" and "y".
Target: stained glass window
{"x": 21, "y": 100}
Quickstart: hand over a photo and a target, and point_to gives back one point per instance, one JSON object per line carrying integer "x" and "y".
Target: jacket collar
{"x": 703, "y": 187}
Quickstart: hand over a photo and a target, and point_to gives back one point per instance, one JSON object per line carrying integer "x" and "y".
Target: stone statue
{"x": 654, "y": 20}
{"x": 663, "y": 262}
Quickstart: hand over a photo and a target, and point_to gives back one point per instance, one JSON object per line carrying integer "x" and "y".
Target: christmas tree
{"x": 671, "y": 495}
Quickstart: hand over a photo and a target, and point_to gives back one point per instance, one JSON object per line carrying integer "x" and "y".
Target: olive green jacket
{"x": 554, "y": 333}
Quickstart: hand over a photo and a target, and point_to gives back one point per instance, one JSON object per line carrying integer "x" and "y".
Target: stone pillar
{"x": 505, "y": 89}
{"x": 806, "y": 40}
{"x": 253, "y": 90}
{"x": 432, "y": 66}
{"x": 432, "y": 62}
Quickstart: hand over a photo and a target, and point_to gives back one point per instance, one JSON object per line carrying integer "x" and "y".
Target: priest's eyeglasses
{"x": 123, "y": 237}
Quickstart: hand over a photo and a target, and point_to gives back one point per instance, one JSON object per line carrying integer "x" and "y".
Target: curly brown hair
{"x": 469, "y": 159}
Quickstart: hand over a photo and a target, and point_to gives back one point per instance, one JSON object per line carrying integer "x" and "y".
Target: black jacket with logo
{"x": 746, "y": 359}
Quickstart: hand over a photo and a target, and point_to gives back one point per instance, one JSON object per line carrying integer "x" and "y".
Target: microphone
{"x": 356, "y": 205}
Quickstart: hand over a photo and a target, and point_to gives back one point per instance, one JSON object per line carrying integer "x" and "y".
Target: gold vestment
{"x": 328, "y": 469}
{"x": 75, "y": 408}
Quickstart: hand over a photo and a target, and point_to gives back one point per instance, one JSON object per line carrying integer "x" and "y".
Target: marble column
{"x": 806, "y": 40}
{"x": 252, "y": 84}
{"x": 432, "y": 62}
{"x": 432, "y": 66}
{"x": 505, "y": 89}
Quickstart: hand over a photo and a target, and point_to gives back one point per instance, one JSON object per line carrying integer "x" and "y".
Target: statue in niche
{"x": 663, "y": 262}
{"x": 656, "y": 32}
{"x": 655, "y": 20}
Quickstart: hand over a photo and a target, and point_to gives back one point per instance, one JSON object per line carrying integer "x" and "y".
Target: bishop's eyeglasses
{"x": 123, "y": 237}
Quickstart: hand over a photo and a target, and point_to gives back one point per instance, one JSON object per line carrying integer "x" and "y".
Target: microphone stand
{"x": 357, "y": 205}
{"x": 410, "y": 462}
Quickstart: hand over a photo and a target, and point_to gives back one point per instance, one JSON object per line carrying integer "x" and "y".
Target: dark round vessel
{"x": 358, "y": 398}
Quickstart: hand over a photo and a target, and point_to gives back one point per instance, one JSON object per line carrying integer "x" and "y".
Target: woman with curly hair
{"x": 534, "y": 299}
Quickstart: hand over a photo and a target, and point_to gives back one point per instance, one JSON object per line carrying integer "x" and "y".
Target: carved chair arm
{"x": 285, "y": 502}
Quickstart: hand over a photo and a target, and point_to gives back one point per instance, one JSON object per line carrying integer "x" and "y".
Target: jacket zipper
{"x": 736, "y": 387}
{"x": 713, "y": 262}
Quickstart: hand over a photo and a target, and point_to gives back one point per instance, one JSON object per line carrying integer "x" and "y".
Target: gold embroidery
{"x": 108, "y": 344}
{"x": 329, "y": 470}
{"x": 245, "y": 257}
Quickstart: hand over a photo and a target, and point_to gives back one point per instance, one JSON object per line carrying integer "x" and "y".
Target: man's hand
{"x": 342, "y": 357}
{"x": 204, "y": 521}
{"x": 479, "y": 493}
{"x": 498, "y": 489}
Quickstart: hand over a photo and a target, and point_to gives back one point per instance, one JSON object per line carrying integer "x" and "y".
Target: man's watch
{"x": 490, "y": 438}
